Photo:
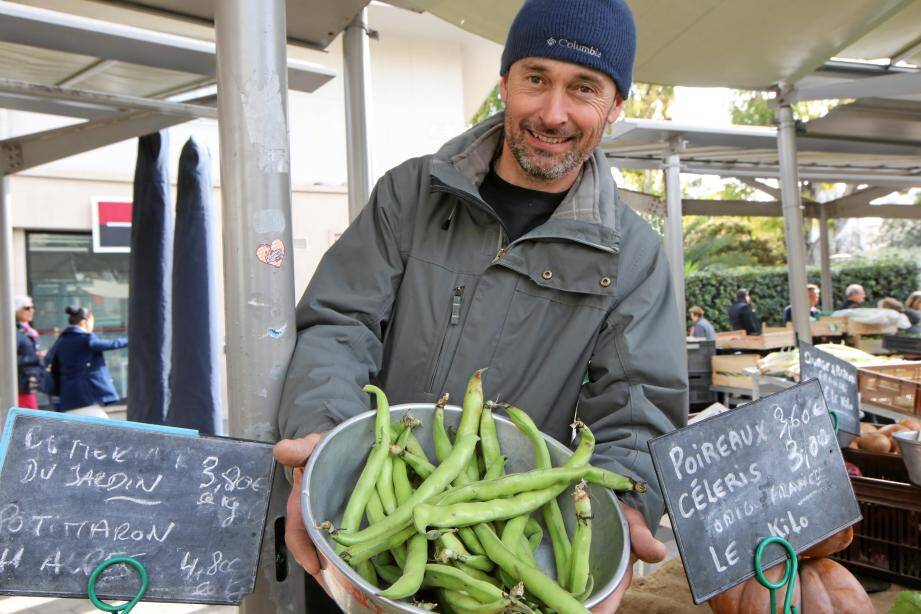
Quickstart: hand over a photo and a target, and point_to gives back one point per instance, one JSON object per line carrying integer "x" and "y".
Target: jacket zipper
{"x": 457, "y": 298}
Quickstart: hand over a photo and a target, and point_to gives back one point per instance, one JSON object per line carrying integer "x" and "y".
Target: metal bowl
{"x": 337, "y": 461}
{"x": 911, "y": 454}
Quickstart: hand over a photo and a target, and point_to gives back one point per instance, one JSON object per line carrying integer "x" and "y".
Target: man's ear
{"x": 503, "y": 88}
{"x": 616, "y": 109}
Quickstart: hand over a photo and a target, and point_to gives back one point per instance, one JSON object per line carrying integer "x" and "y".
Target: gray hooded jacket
{"x": 423, "y": 289}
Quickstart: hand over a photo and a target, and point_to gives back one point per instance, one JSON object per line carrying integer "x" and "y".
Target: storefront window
{"x": 62, "y": 271}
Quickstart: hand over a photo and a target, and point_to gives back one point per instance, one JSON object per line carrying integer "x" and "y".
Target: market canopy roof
{"x": 741, "y": 44}
{"x": 867, "y": 142}
{"x": 111, "y": 50}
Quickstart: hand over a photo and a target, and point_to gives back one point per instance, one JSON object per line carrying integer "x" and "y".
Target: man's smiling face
{"x": 555, "y": 115}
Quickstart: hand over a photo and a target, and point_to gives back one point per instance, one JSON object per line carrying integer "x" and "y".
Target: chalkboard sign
{"x": 839, "y": 384}
{"x": 768, "y": 468}
{"x": 75, "y": 491}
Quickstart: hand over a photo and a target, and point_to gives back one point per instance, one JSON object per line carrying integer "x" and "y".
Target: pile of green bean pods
{"x": 458, "y": 534}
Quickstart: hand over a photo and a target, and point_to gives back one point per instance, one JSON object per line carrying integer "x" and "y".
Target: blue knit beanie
{"x": 598, "y": 34}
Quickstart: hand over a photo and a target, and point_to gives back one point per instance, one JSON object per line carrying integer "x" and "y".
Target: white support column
{"x": 9, "y": 382}
{"x": 259, "y": 297}
{"x": 793, "y": 221}
{"x": 356, "y": 54}
{"x": 825, "y": 260}
{"x": 674, "y": 231}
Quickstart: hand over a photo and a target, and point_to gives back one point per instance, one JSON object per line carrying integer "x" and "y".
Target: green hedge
{"x": 715, "y": 290}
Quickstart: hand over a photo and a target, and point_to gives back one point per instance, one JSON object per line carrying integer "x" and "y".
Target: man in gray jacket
{"x": 508, "y": 249}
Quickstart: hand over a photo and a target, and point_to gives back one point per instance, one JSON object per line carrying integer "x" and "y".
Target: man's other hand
{"x": 643, "y": 546}
{"x": 293, "y": 453}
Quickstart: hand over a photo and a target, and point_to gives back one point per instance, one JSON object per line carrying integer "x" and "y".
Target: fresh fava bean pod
{"x": 355, "y": 508}
{"x": 553, "y": 517}
{"x": 446, "y": 576}
{"x": 539, "y": 585}
{"x": 422, "y": 467}
{"x": 439, "y": 434}
{"x": 468, "y": 514}
{"x": 434, "y": 484}
{"x": 413, "y": 572}
{"x": 581, "y": 541}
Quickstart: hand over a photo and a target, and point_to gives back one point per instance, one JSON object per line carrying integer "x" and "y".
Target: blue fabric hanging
{"x": 195, "y": 400}
{"x": 149, "y": 291}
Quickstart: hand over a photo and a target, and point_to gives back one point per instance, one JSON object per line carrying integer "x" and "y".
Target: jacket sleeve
{"x": 341, "y": 321}
{"x": 637, "y": 384}
{"x": 26, "y": 358}
{"x": 104, "y": 345}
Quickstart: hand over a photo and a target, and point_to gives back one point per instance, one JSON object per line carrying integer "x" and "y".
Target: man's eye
{"x": 585, "y": 89}
{"x": 534, "y": 80}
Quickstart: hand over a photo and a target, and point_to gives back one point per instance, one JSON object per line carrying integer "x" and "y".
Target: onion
{"x": 874, "y": 442}
{"x": 913, "y": 424}
{"x": 866, "y": 427}
{"x": 889, "y": 429}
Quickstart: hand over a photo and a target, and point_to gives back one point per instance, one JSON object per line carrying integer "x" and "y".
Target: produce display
{"x": 786, "y": 363}
{"x": 458, "y": 534}
{"x": 879, "y": 439}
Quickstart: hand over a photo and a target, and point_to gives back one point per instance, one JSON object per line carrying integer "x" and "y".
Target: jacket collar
{"x": 76, "y": 330}
{"x": 587, "y": 214}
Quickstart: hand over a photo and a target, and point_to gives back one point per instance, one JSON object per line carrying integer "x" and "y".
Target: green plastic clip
{"x": 788, "y": 578}
{"x": 121, "y": 608}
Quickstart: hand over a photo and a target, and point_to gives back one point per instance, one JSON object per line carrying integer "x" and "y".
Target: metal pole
{"x": 793, "y": 221}
{"x": 9, "y": 383}
{"x": 674, "y": 231}
{"x": 825, "y": 259}
{"x": 356, "y": 54}
{"x": 258, "y": 271}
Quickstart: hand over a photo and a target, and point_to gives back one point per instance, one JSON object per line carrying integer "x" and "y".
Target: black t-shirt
{"x": 520, "y": 209}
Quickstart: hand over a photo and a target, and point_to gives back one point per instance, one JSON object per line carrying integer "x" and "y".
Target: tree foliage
{"x": 491, "y": 105}
{"x": 714, "y": 290}
{"x": 712, "y": 243}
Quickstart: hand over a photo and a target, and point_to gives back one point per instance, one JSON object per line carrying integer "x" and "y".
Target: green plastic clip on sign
{"x": 788, "y": 578}
{"x": 121, "y": 608}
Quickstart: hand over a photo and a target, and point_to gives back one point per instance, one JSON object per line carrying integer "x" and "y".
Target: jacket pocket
{"x": 452, "y": 323}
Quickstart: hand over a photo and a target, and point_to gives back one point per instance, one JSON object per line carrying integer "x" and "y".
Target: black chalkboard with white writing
{"x": 839, "y": 384}
{"x": 75, "y": 491}
{"x": 768, "y": 468}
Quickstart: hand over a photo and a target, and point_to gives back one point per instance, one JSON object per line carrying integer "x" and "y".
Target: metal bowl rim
{"x": 318, "y": 537}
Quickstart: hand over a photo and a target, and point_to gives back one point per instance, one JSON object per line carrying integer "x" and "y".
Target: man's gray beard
{"x": 570, "y": 161}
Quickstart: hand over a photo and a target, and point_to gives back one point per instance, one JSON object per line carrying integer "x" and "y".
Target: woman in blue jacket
{"x": 83, "y": 379}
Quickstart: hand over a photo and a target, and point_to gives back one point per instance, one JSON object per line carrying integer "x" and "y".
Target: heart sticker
{"x": 271, "y": 254}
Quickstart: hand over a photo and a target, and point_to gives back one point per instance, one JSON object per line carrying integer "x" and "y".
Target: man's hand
{"x": 293, "y": 453}
{"x": 643, "y": 546}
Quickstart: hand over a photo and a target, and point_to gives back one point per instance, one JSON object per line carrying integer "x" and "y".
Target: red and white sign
{"x": 111, "y": 225}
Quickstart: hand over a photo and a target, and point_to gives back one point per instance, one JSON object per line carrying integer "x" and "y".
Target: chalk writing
{"x": 770, "y": 468}
{"x": 74, "y": 493}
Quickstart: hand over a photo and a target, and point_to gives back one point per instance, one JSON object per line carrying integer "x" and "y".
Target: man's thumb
{"x": 646, "y": 547}
{"x": 295, "y": 452}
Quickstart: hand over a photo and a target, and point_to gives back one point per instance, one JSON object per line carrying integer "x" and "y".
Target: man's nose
{"x": 555, "y": 111}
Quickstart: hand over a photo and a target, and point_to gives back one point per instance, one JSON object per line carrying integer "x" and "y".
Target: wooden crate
{"x": 769, "y": 339}
{"x": 896, "y": 387}
{"x": 727, "y": 370}
{"x": 828, "y": 326}
{"x": 856, "y": 328}
{"x": 869, "y": 344}
{"x": 887, "y": 541}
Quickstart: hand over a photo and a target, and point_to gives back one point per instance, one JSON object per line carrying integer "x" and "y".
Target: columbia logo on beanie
{"x": 573, "y": 45}
{"x": 598, "y": 34}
